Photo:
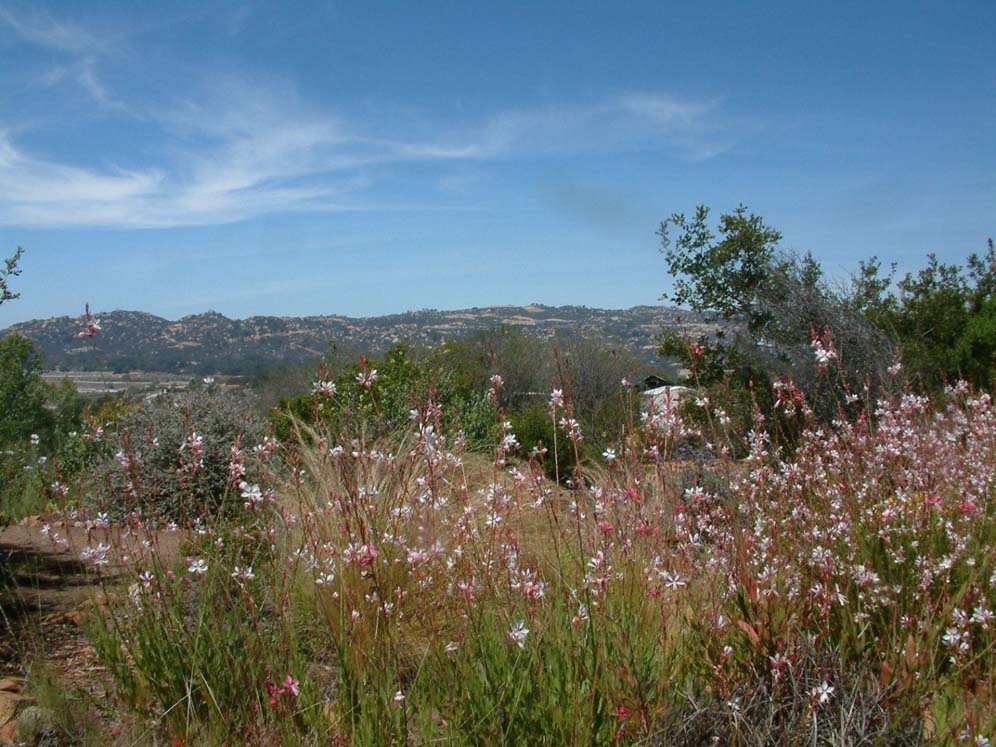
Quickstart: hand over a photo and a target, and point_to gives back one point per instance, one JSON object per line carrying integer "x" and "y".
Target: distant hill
{"x": 213, "y": 343}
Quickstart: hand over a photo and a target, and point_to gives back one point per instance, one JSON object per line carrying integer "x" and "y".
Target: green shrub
{"x": 475, "y": 417}
{"x": 534, "y": 428}
{"x": 25, "y": 477}
{"x": 23, "y": 393}
{"x": 170, "y": 455}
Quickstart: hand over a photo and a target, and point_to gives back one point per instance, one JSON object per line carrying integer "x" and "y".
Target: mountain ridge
{"x": 211, "y": 342}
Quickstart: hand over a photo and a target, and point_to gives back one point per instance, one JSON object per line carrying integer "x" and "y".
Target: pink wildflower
{"x": 92, "y": 325}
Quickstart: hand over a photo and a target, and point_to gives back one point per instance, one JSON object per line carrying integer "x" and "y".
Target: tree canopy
{"x": 725, "y": 276}
{"x": 939, "y": 318}
{"x": 9, "y": 270}
{"x": 23, "y": 392}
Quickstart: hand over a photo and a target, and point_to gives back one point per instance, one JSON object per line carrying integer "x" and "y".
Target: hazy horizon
{"x": 97, "y": 313}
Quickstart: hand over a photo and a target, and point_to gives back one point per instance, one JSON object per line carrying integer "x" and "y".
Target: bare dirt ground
{"x": 44, "y": 598}
{"x": 46, "y": 592}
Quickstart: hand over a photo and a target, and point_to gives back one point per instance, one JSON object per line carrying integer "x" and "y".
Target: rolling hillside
{"x": 211, "y": 342}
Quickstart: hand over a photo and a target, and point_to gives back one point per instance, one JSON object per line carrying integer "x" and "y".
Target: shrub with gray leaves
{"x": 170, "y": 455}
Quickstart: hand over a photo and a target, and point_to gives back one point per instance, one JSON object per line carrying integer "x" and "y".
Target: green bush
{"x": 23, "y": 393}
{"x": 534, "y": 429}
{"x": 170, "y": 455}
{"x": 475, "y": 417}
{"x": 25, "y": 478}
{"x": 382, "y": 393}
{"x": 976, "y": 348}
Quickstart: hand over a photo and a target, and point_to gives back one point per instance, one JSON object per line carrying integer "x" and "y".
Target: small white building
{"x": 665, "y": 397}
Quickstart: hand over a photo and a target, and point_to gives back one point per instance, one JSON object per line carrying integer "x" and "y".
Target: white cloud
{"x": 42, "y": 193}
{"x": 83, "y": 73}
{"x": 43, "y": 30}
{"x": 73, "y": 40}
{"x": 86, "y": 76}
{"x": 626, "y": 121}
{"x": 235, "y": 150}
{"x": 240, "y": 147}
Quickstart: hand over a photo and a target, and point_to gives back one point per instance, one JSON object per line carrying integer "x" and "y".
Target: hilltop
{"x": 211, "y": 342}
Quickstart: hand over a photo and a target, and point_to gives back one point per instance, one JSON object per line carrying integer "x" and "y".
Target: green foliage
{"x": 975, "y": 350}
{"x": 522, "y": 361}
{"x": 941, "y": 316}
{"x": 151, "y": 461}
{"x": 9, "y": 270}
{"x": 934, "y": 308}
{"x": 67, "y": 409}
{"x": 23, "y": 392}
{"x": 300, "y": 408}
{"x": 775, "y": 305}
{"x": 36, "y": 423}
{"x": 725, "y": 276}
{"x": 456, "y": 377}
{"x": 474, "y": 416}
{"x": 25, "y": 476}
{"x": 590, "y": 374}
{"x": 404, "y": 379}
{"x": 536, "y": 430}
{"x": 870, "y": 295}
{"x": 710, "y": 361}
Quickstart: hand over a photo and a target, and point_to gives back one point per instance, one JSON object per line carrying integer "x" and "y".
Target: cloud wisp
{"x": 239, "y": 147}
{"x": 83, "y": 73}
{"x": 41, "y": 29}
{"x": 258, "y": 153}
{"x": 219, "y": 186}
{"x": 253, "y": 158}
{"x": 236, "y": 147}
{"x": 78, "y": 49}
{"x": 622, "y": 122}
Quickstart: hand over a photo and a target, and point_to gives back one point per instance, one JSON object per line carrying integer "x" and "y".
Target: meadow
{"x": 398, "y": 589}
{"x": 424, "y": 550}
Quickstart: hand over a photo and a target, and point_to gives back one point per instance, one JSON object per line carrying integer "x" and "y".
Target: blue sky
{"x": 369, "y": 158}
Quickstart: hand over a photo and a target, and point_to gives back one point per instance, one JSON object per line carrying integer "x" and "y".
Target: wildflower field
{"x": 400, "y": 589}
{"x": 503, "y": 542}
{"x": 498, "y": 374}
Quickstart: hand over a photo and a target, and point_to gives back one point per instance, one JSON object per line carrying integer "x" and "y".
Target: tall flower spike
{"x": 92, "y": 325}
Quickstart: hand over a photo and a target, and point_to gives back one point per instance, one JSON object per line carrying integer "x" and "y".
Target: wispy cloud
{"x": 253, "y": 152}
{"x": 83, "y": 73}
{"x": 41, "y": 29}
{"x": 624, "y": 121}
{"x": 36, "y": 192}
{"x": 81, "y": 46}
{"x": 237, "y": 147}
{"x": 247, "y": 153}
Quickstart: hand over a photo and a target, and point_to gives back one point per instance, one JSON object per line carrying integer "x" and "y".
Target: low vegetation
{"x": 399, "y": 589}
{"x": 493, "y": 542}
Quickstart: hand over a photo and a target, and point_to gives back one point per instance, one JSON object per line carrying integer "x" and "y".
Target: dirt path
{"x": 46, "y": 591}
